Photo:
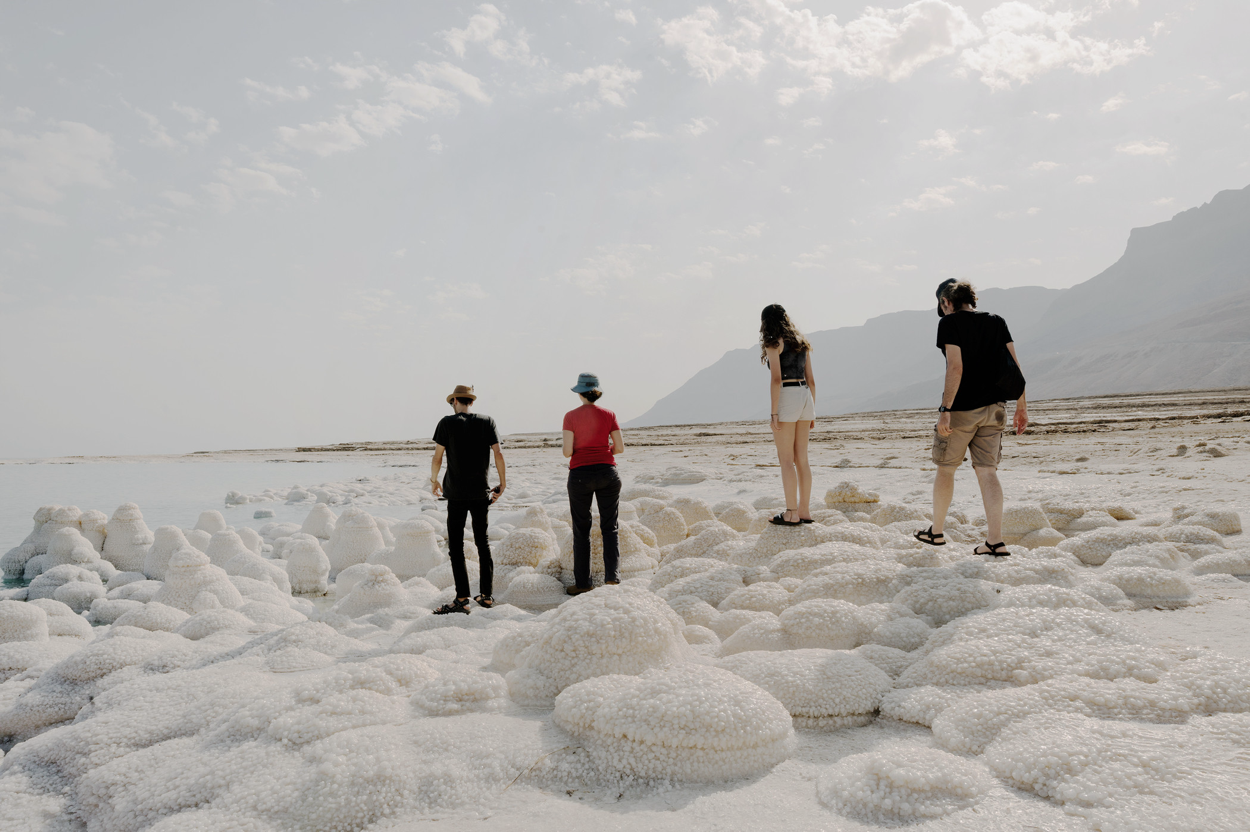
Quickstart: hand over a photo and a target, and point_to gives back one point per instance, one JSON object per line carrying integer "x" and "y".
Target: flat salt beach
{"x": 1103, "y": 683}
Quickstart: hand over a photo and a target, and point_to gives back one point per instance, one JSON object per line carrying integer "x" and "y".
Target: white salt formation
{"x": 320, "y": 522}
{"x": 415, "y": 550}
{"x": 307, "y": 566}
{"x": 900, "y": 784}
{"x": 211, "y": 521}
{"x": 127, "y": 540}
{"x": 820, "y": 688}
{"x": 688, "y": 723}
{"x": 193, "y": 584}
{"x": 166, "y": 541}
{"x": 355, "y": 537}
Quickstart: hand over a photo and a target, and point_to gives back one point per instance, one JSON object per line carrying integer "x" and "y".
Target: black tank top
{"x": 793, "y": 364}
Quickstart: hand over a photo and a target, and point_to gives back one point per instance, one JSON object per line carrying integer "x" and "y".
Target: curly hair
{"x": 960, "y": 293}
{"x": 777, "y": 330}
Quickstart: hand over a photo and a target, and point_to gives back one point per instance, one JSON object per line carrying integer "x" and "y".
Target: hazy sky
{"x": 262, "y": 224}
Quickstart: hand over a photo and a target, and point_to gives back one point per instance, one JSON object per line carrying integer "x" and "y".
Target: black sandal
{"x": 484, "y": 601}
{"x": 993, "y": 550}
{"x": 927, "y": 536}
{"x": 780, "y": 519}
{"x": 458, "y": 605}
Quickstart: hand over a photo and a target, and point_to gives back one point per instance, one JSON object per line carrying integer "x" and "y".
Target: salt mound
{"x": 905, "y": 634}
{"x": 703, "y": 543}
{"x": 198, "y": 539}
{"x": 14, "y": 561}
{"x": 355, "y": 537}
{"x": 166, "y": 541}
{"x": 1219, "y": 683}
{"x": 307, "y": 566}
{"x": 824, "y": 623}
{"x": 22, "y": 622}
{"x": 461, "y": 691}
{"x": 1156, "y": 555}
{"x": 68, "y": 546}
{"x": 211, "y": 521}
{"x": 525, "y": 547}
{"x": 1221, "y": 521}
{"x": 251, "y": 565}
{"x": 943, "y": 601}
{"x": 689, "y": 723}
{"x": 887, "y": 513}
{"x": 1093, "y": 548}
{"x": 192, "y": 579}
{"x": 735, "y": 514}
{"x": 224, "y": 546}
{"x": 127, "y": 540}
{"x": 415, "y": 551}
{"x": 761, "y": 597}
{"x": 252, "y": 540}
{"x": 1025, "y": 645}
{"x": 820, "y": 688}
{"x": 153, "y": 616}
{"x": 1046, "y": 597}
{"x": 94, "y": 525}
{"x": 320, "y": 522}
{"x": 971, "y": 724}
{"x": 1147, "y": 585}
{"x": 859, "y": 582}
{"x": 534, "y": 592}
{"x": 1227, "y": 563}
{"x": 636, "y": 559}
{"x": 711, "y": 585}
{"x": 612, "y": 630}
{"x": 63, "y": 622}
{"x": 774, "y": 540}
{"x": 903, "y": 783}
{"x": 668, "y": 525}
{"x": 847, "y": 496}
{"x": 442, "y": 578}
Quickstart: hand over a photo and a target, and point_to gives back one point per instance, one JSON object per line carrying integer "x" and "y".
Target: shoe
{"x": 484, "y": 601}
{"x": 577, "y": 590}
{"x": 611, "y": 583}
{"x": 458, "y": 605}
{"x": 994, "y": 550}
{"x": 929, "y": 537}
{"x": 780, "y": 519}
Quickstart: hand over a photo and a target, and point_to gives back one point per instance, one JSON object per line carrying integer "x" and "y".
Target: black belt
{"x": 794, "y": 383}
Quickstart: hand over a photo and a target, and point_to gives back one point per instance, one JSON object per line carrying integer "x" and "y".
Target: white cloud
{"x": 931, "y": 199}
{"x": 178, "y": 199}
{"x": 1023, "y": 42}
{"x": 626, "y": 16}
{"x": 772, "y": 141}
{"x": 418, "y": 95}
{"x": 484, "y": 28}
{"x": 1161, "y": 201}
{"x": 41, "y": 167}
{"x": 1043, "y": 165}
{"x": 235, "y": 184}
{"x": 1114, "y": 103}
{"x": 641, "y": 130}
{"x": 943, "y": 144}
{"x": 1239, "y": 96}
{"x": 455, "y": 77}
{"x": 712, "y": 54}
{"x": 159, "y": 137}
{"x": 1032, "y": 212}
{"x": 259, "y": 93}
{"x": 613, "y": 83}
{"x": 812, "y": 122}
{"x": 609, "y": 264}
{"x": 355, "y": 77}
{"x": 698, "y": 126}
{"x": 379, "y": 119}
{"x": 1149, "y": 147}
{"x": 436, "y": 144}
{"x": 812, "y": 259}
{"x": 208, "y": 126}
{"x": 322, "y": 138}
{"x": 1083, "y": 179}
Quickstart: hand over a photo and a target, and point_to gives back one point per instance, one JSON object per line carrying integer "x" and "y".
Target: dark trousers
{"x": 457, "y": 512}
{"x": 603, "y": 484}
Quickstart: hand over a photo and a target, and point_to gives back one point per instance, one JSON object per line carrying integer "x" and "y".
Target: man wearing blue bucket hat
{"x": 592, "y": 440}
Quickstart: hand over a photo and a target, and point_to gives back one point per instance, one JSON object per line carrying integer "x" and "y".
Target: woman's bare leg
{"x": 784, "y": 439}
{"x": 803, "y": 468}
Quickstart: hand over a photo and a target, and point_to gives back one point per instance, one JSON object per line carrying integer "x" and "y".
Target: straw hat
{"x": 462, "y": 391}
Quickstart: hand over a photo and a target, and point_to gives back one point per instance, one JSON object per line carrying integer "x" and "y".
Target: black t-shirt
{"x": 980, "y": 337}
{"x": 468, "y": 438}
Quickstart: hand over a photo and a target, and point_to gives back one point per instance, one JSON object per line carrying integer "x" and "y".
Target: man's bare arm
{"x": 502, "y": 469}
{"x": 1021, "y": 419}
{"x": 435, "y": 465}
{"x": 954, "y": 373}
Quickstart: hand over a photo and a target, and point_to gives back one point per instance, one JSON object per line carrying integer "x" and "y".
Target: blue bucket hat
{"x": 586, "y": 382}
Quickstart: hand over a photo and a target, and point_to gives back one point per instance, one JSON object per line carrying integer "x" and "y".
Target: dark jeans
{"x": 457, "y": 512}
{"x": 602, "y": 483}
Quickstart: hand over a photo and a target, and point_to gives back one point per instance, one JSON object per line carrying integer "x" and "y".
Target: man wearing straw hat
{"x": 468, "y": 440}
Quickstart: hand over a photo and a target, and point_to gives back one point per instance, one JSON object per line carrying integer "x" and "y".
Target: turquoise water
{"x": 168, "y": 493}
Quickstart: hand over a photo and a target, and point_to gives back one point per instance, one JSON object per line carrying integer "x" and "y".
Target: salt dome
{"x": 902, "y": 784}
{"x": 128, "y": 538}
{"x": 687, "y": 723}
{"x": 618, "y": 630}
{"x": 356, "y": 536}
{"x": 415, "y": 551}
{"x": 193, "y": 583}
{"x": 820, "y": 688}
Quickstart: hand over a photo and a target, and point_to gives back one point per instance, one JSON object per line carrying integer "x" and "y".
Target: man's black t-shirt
{"x": 980, "y": 337}
{"x": 468, "y": 438}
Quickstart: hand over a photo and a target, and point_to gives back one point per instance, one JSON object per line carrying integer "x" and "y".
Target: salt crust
{"x": 819, "y": 688}
{"x": 858, "y": 582}
{"x": 889, "y": 660}
{"x": 307, "y": 566}
{"x": 761, "y": 597}
{"x": 1218, "y": 520}
{"x": 667, "y": 525}
{"x": 63, "y": 622}
{"x": 1149, "y": 585}
{"x": 905, "y": 634}
{"x": 1093, "y": 548}
{"x": 975, "y": 721}
{"x": 320, "y": 522}
{"x": 688, "y": 723}
{"x": 355, "y": 537}
{"x": 191, "y": 578}
{"x": 414, "y": 551}
{"x": 903, "y": 783}
{"x": 128, "y": 538}
{"x": 1025, "y": 646}
{"x": 943, "y": 601}
{"x": 22, "y": 622}
{"x": 613, "y": 630}
{"x": 534, "y": 592}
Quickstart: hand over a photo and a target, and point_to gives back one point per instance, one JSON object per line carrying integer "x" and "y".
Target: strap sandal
{"x": 997, "y": 550}
{"x": 484, "y": 601}
{"x": 780, "y": 519}
{"x": 458, "y": 605}
{"x": 806, "y": 521}
{"x": 927, "y": 536}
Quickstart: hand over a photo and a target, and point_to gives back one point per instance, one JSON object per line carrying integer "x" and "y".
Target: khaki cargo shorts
{"x": 979, "y": 432}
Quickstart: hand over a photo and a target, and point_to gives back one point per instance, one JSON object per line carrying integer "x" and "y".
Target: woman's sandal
{"x": 780, "y": 519}
{"x": 484, "y": 601}
{"x": 993, "y": 550}
{"x": 927, "y": 536}
{"x": 458, "y": 605}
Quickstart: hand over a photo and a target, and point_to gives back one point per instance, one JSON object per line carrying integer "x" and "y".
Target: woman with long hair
{"x": 592, "y": 442}
{"x": 788, "y": 356}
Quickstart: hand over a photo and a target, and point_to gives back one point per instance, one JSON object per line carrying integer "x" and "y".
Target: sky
{"x": 250, "y": 225}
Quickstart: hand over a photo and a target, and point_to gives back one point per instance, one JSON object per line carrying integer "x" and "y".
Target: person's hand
{"x": 775, "y": 422}
{"x": 944, "y": 424}
{"x": 1021, "y": 420}
{"x": 812, "y": 426}
{"x": 497, "y": 492}
{"x": 435, "y": 487}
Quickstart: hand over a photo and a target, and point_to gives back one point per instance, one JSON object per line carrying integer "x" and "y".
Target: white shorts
{"x": 796, "y": 405}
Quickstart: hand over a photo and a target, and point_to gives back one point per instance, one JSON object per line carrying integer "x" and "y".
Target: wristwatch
{"x": 943, "y": 409}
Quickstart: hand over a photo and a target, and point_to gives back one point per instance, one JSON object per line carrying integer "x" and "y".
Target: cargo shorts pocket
{"x": 941, "y": 445}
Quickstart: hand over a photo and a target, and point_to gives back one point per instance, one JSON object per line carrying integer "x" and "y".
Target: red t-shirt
{"x": 592, "y": 428}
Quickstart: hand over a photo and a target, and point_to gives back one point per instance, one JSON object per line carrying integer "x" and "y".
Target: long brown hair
{"x": 777, "y": 330}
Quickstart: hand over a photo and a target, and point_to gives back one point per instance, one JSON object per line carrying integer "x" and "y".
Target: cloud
{"x": 1023, "y": 42}
{"x": 613, "y": 82}
{"x": 322, "y": 138}
{"x": 436, "y": 144}
{"x": 815, "y": 122}
{"x": 1114, "y": 103}
{"x": 178, "y": 199}
{"x": 41, "y": 167}
{"x": 1083, "y": 179}
{"x": 259, "y": 93}
{"x": 609, "y": 264}
{"x": 712, "y": 54}
{"x": 1239, "y": 96}
{"x": 698, "y": 126}
{"x": 208, "y": 126}
{"x": 812, "y": 259}
{"x": 484, "y": 28}
{"x": 455, "y": 77}
{"x": 1043, "y": 166}
{"x": 379, "y": 119}
{"x": 236, "y": 184}
{"x": 355, "y": 77}
{"x": 942, "y": 143}
{"x": 931, "y": 199}
{"x": 158, "y": 136}
{"x": 641, "y": 130}
{"x": 626, "y": 16}
{"x": 1149, "y": 147}
{"x": 418, "y": 95}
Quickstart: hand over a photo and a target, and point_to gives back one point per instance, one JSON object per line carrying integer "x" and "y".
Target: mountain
{"x": 1172, "y": 313}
